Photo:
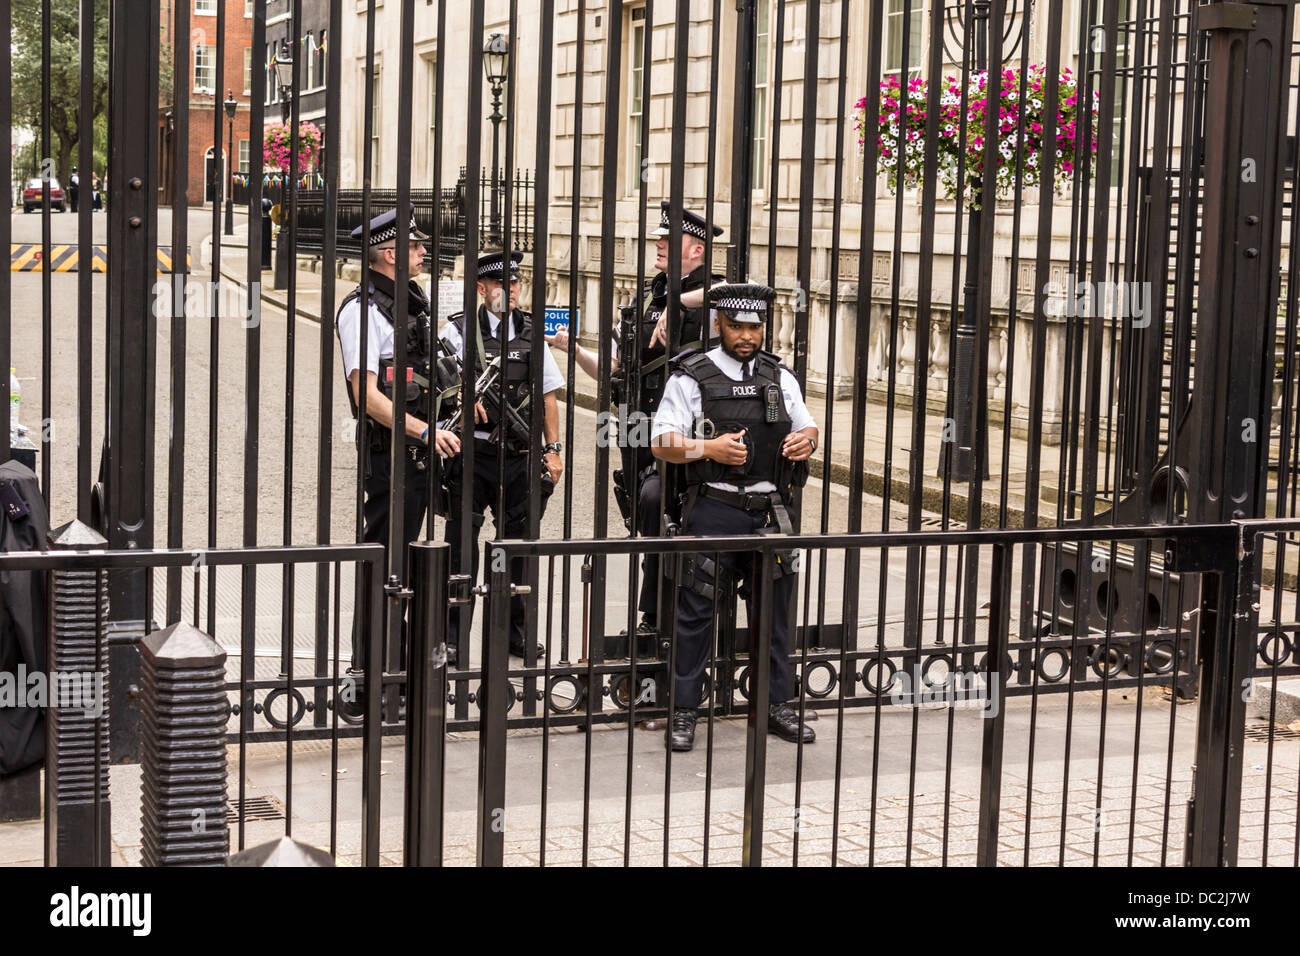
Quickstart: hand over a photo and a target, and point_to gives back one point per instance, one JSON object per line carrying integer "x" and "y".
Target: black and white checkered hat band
{"x": 390, "y": 232}
{"x": 494, "y": 268}
{"x": 690, "y": 227}
{"x": 741, "y": 305}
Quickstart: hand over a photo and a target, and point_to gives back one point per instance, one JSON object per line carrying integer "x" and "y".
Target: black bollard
{"x": 285, "y": 851}
{"x": 183, "y": 753}
{"x": 266, "y": 233}
{"x": 77, "y": 820}
{"x": 426, "y": 705}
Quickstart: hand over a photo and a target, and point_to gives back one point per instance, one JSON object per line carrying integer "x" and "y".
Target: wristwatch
{"x": 554, "y": 448}
{"x": 813, "y": 442}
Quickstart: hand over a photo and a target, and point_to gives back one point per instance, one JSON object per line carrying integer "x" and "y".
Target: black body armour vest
{"x": 758, "y": 406}
{"x": 654, "y": 361}
{"x": 418, "y": 349}
{"x": 516, "y": 364}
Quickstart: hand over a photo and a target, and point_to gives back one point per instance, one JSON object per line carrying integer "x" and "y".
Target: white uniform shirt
{"x": 682, "y": 406}
{"x": 552, "y": 380}
{"x": 379, "y": 337}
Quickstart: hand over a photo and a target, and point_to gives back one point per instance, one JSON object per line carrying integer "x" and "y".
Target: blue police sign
{"x": 557, "y": 320}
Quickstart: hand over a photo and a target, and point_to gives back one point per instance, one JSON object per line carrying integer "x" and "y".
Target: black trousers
{"x": 647, "y": 495}
{"x": 695, "y": 611}
{"x": 375, "y": 511}
{"x": 512, "y": 524}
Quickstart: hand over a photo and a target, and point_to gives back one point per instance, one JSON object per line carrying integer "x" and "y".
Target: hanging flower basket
{"x": 1020, "y": 132}
{"x": 276, "y": 146}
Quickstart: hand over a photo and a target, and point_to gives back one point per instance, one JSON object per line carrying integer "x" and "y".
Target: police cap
{"x": 742, "y": 301}
{"x": 490, "y": 266}
{"x": 692, "y": 225}
{"x": 383, "y": 228}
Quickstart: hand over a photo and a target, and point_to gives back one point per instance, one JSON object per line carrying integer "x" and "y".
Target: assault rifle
{"x": 488, "y": 392}
{"x": 619, "y": 379}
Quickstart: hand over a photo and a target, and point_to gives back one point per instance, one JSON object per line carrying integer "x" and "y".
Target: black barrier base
{"x": 124, "y": 676}
{"x": 73, "y": 836}
{"x": 20, "y": 795}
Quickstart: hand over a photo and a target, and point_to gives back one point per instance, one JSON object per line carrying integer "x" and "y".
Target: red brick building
{"x": 195, "y": 78}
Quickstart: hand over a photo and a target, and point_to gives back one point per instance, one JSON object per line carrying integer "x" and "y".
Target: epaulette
{"x": 690, "y": 361}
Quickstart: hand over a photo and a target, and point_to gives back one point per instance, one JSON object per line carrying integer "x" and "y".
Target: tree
{"x": 65, "y": 77}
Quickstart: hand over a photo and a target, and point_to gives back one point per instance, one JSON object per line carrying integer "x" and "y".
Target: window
{"x": 322, "y": 61}
{"x": 205, "y": 6}
{"x": 894, "y": 37}
{"x": 243, "y": 155}
{"x": 308, "y": 68}
{"x": 1122, "y": 64}
{"x": 205, "y": 68}
{"x": 431, "y": 86}
{"x": 248, "y": 70}
{"x": 272, "y": 88}
{"x": 374, "y": 128}
{"x": 248, "y": 8}
{"x": 635, "y": 108}
{"x": 761, "y": 121}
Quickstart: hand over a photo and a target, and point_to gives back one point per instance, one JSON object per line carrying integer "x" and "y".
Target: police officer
{"x": 639, "y": 476}
{"x": 511, "y": 341}
{"x": 379, "y": 393}
{"x": 735, "y": 417}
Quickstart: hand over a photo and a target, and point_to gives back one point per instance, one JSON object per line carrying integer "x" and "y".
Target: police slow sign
{"x": 557, "y": 320}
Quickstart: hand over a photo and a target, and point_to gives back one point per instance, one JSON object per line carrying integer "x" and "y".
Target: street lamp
{"x": 284, "y": 77}
{"x": 230, "y": 106}
{"x": 284, "y": 80}
{"x": 969, "y": 448}
{"x": 496, "y": 59}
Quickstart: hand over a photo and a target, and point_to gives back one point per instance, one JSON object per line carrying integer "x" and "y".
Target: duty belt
{"x": 747, "y": 501}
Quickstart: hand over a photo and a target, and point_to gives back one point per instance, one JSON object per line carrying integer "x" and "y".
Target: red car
{"x": 32, "y": 195}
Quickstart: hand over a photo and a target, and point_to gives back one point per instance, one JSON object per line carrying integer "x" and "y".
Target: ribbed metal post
{"x": 285, "y": 851}
{"x": 183, "y": 753}
{"x": 76, "y": 727}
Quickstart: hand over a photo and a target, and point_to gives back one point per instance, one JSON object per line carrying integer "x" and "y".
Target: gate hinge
{"x": 458, "y": 589}
{"x": 393, "y": 588}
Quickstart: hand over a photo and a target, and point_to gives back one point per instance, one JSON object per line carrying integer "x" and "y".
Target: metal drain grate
{"x": 256, "y": 808}
{"x": 1261, "y": 732}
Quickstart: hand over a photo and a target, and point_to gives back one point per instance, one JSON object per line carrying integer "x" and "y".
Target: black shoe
{"x": 784, "y": 722}
{"x": 518, "y": 650}
{"x": 647, "y": 627}
{"x": 681, "y": 735}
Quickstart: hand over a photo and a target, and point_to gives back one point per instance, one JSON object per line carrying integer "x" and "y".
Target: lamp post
{"x": 496, "y": 57}
{"x": 230, "y": 106}
{"x": 970, "y": 440}
{"x": 284, "y": 81}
